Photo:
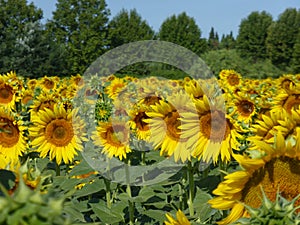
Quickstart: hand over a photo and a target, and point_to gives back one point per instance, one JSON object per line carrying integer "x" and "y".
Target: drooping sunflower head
{"x": 12, "y": 140}
{"x": 286, "y": 81}
{"x": 276, "y": 170}
{"x": 58, "y": 133}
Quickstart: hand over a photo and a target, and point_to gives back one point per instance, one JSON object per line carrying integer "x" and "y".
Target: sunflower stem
{"x": 223, "y": 169}
{"x": 143, "y": 158}
{"x": 108, "y": 193}
{"x": 180, "y": 196}
{"x": 128, "y": 190}
{"x": 57, "y": 169}
{"x": 191, "y": 188}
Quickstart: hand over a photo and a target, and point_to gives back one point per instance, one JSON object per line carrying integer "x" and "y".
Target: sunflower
{"x": 42, "y": 101}
{"x": 164, "y": 122}
{"x": 115, "y": 87}
{"x": 230, "y": 80}
{"x": 8, "y": 93}
{"x": 27, "y": 95}
{"x": 49, "y": 83}
{"x": 114, "y": 138}
{"x": 210, "y": 131}
{"x": 12, "y": 139}
{"x": 181, "y": 219}
{"x": 287, "y": 100}
{"x": 277, "y": 170}
{"x": 57, "y": 132}
{"x": 136, "y": 122}
{"x": 243, "y": 108}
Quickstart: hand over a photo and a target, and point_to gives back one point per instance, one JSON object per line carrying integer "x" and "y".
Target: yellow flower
{"x": 210, "y": 133}
{"x": 277, "y": 170}
{"x": 164, "y": 122}
{"x": 230, "y": 80}
{"x": 181, "y": 219}
{"x": 114, "y": 88}
{"x": 12, "y": 141}
{"x": 57, "y": 132}
{"x": 113, "y": 137}
{"x": 8, "y": 93}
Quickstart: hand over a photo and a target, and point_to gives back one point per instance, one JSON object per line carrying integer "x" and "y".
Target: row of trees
{"x": 80, "y": 31}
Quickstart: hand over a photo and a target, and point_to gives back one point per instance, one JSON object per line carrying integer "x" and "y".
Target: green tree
{"x": 36, "y": 55}
{"x": 282, "y": 36}
{"x": 252, "y": 35}
{"x": 128, "y": 27}
{"x": 295, "y": 63}
{"x": 15, "y": 18}
{"x": 227, "y": 41}
{"x": 213, "y": 40}
{"x": 184, "y": 31}
{"x": 81, "y": 26}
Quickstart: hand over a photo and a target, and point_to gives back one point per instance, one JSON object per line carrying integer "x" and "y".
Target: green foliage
{"x": 19, "y": 28}
{"x": 183, "y": 30}
{"x": 128, "y": 27}
{"x": 251, "y": 39}
{"x": 213, "y": 40}
{"x": 295, "y": 64}
{"x": 281, "y": 212}
{"x": 282, "y": 36}
{"x": 82, "y": 27}
{"x": 230, "y": 59}
{"x": 227, "y": 41}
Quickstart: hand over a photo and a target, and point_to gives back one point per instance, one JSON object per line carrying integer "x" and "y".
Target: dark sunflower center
{"x": 9, "y": 133}
{"x": 49, "y": 84}
{"x": 214, "y": 126}
{"x": 172, "y": 122}
{"x": 141, "y": 125}
{"x": 6, "y": 94}
{"x": 245, "y": 107}
{"x": 117, "y": 135}
{"x": 280, "y": 174}
{"x": 59, "y": 132}
{"x": 233, "y": 79}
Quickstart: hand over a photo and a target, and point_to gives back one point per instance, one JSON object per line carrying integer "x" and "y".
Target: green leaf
{"x": 106, "y": 215}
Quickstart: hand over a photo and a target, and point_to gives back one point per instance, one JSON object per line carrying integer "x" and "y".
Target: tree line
{"x": 80, "y": 31}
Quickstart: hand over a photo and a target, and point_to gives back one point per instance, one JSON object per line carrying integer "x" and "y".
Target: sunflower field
{"x": 111, "y": 150}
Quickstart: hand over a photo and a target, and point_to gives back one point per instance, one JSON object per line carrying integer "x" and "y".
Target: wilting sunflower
{"x": 210, "y": 132}
{"x": 57, "y": 133}
{"x": 12, "y": 140}
{"x": 113, "y": 137}
{"x": 277, "y": 170}
{"x": 181, "y": 219}
{"x": 164, "y": 122}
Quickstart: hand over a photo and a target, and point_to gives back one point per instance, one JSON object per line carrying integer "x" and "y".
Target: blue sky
{"x": 223, "y": 15}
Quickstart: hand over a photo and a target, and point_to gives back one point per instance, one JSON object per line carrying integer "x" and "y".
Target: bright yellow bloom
{"x": 114, "y": 138}
{"x": 12, "y": 141}
{"x": 57, "y": 133}
{"x": 277, "y": 170}
{"x": 181, "y": 219}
